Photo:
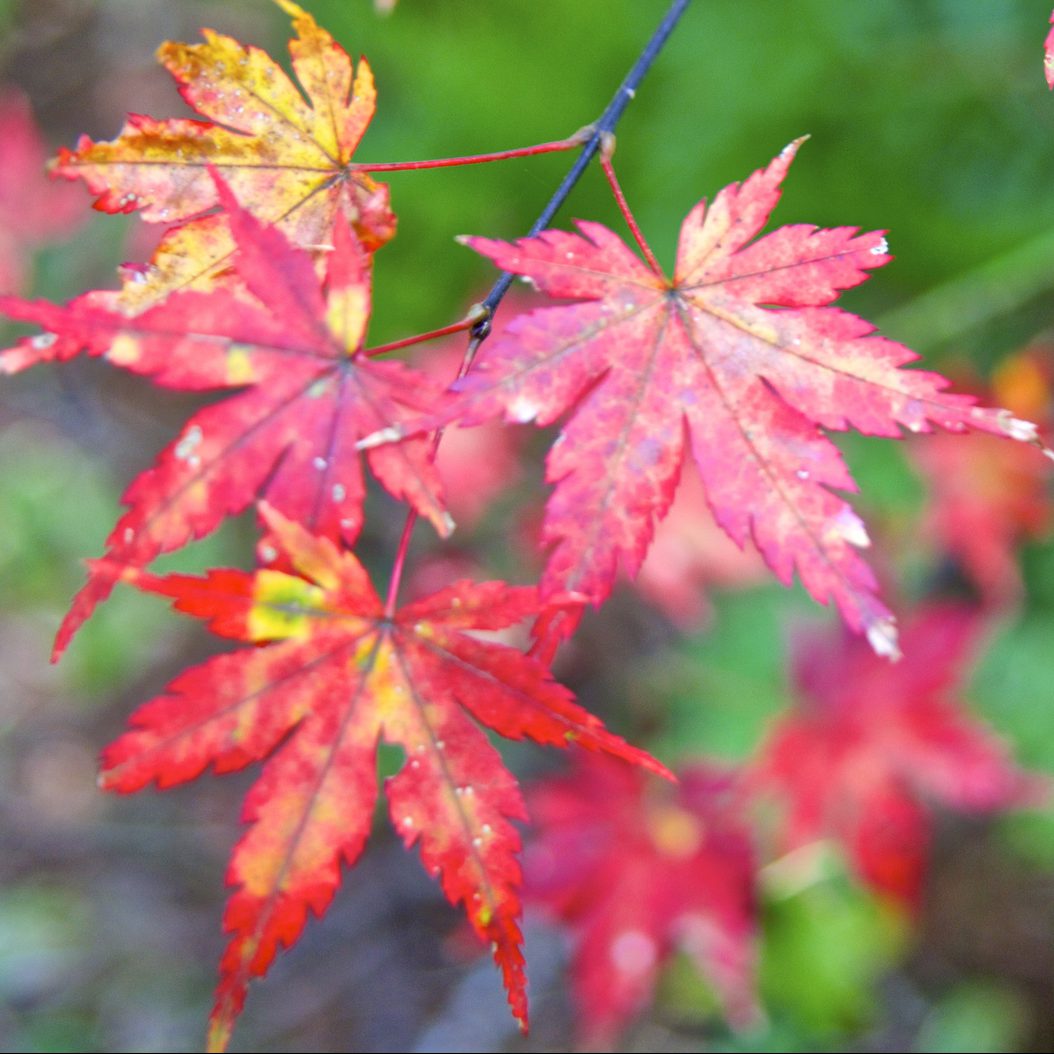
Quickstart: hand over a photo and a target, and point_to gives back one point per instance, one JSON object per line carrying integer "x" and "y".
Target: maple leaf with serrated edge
{"x": 287, "y": 158}
{"x": 637, "y": 871}
{"x": 332, "y": 674}
{"x": 871, "y": 746}
{"x": 736, "y": 356}
{"x": 293, "y": 345}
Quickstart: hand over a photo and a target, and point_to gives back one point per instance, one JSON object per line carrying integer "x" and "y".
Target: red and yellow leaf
{"x": 290, "y": 345}
{"x": 285, "y": 154}
{"x": 332, "y": 674}
{"x": 738, "y": 359}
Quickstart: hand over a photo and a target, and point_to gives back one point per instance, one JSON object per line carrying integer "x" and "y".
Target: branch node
{"x": 584, "y": 134}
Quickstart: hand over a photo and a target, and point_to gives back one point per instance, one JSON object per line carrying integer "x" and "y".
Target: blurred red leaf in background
{"x": 987, "y": 496}
{"x": 871, "y": 747}
{"x": 638, "y": 870}
{"x": 33, "y": 210}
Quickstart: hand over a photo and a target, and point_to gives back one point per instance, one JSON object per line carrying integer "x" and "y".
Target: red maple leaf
{"x": 32, "y": 211}
{"x": 292, "y": 347}
{"x": 871, "y": 747}
{"x": 333, "y": 674}
{"x": 737, "y": 357}
{"x": 639, "y": 870}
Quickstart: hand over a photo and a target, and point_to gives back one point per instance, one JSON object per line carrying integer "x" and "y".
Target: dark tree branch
{"x": 601, "y": 131}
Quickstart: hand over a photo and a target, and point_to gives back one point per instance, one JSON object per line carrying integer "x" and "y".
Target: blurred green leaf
{"x": 1012, "y": 688}
{"x": 824, "y": 949}
{"x": 719, "y": 688}
{"x": 974, "y": 1018}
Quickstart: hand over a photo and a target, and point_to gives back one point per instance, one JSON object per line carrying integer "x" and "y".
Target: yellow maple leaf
{"x": 285, "y": 153}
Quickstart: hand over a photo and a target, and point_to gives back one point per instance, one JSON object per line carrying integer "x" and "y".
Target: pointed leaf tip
{"x": 883, "y": 638}
{"x": 334, "y": 677}
{"x": 792, "y": 148}
{"x": 293, "y": 385}
{"x": 219, "y": 1033}
{"x": 306, "y": 127}
{"x": 292, "y": 9}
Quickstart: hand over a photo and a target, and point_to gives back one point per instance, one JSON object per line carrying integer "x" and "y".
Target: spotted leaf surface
{"x": 290, "y": 347}
{"x": 285, "y": 153}
{"x": 737, "y": 359}
{"x": 331, "y": 675}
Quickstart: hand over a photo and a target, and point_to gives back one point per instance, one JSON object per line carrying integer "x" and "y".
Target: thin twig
{"x": 602, "y": 130}
{"x": 599, "y": 133}
{"x": 627, "y": 215}
{"x": 474, "y": 159}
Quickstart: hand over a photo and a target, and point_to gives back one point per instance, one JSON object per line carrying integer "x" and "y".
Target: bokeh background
{"x": 928, "y": 118}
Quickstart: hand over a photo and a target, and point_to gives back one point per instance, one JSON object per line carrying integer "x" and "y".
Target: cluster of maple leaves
{"x": 261, "y": 287}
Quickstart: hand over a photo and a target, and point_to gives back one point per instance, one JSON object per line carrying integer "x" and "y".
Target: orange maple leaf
{"x": 985, "y": 498}
{"x": 335, "y": 673}
{"x": 287, "y": 158}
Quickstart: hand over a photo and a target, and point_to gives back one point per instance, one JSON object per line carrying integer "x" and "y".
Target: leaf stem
{"x": 475, "y": 314}
{"x": 477, "y": 159}
{"x": 392, "y": 599}
{"x": 627, "y": 215}
{"x": 592, "y": 138}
